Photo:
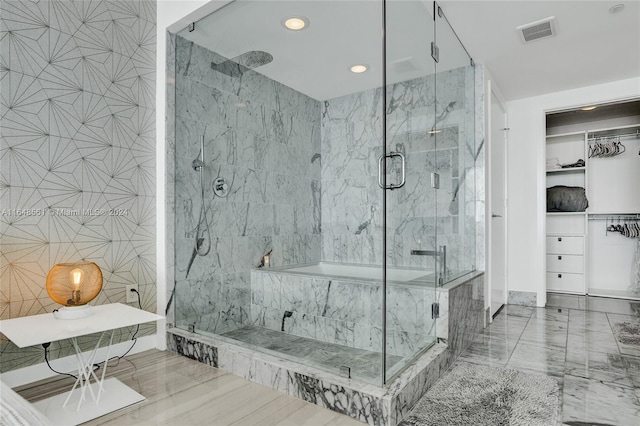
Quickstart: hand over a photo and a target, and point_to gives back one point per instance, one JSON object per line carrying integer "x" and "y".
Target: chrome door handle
{"x": 382, "y": 158}
{"x": 495, "y": 215}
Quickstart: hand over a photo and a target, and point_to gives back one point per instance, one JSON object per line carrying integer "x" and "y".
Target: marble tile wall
{"x": 351, "y": 199}
{"x": 480, "y": 170}
{"x": 264, "y": 139}
{"x": 346, "y": 312}
{"x": 77, "y": 154}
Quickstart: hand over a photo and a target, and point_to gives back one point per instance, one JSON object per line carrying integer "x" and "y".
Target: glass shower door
{"x": 409, "y": 182}
{"x": 457, "y": 151}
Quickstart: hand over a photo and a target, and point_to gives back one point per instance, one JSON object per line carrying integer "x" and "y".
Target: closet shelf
{"x": 565, "y": 170}
{"x": 562, "y": 135}
{"x": 565, "y": 213}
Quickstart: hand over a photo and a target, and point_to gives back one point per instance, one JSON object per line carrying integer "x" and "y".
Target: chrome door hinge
{"x": 435, "y": 310}
{"x": 435, "y": 52}
{"x": 435, "y": 181}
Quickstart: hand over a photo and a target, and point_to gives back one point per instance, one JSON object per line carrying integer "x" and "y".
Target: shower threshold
{"x": 364, "y": 365}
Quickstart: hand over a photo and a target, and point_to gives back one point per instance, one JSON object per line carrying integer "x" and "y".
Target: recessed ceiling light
{"x": 358, "y": 69}
{"x": 295, "y": 23}
{"x": 589, "y": 108}
{"x": 617, "y": 8}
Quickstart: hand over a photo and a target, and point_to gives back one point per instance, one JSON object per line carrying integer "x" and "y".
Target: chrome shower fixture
{"x": 220, "y": 187}
{"x": 247, "y": 61}
{"x": 198, "y": 163}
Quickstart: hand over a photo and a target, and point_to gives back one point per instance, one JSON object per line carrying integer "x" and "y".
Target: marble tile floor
{"x": 184, "y": 392}
{"x": 365, "y": 365}
{"x": 599, "y": 377}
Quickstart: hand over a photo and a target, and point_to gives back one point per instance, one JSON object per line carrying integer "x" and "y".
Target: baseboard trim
{"x": 33, "y": 373}
{"x": 523, "y": 298}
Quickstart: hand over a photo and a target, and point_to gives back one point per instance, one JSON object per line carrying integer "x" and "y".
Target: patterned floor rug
{"x": 627, "y": 332}
{"x": 486, "y": 396}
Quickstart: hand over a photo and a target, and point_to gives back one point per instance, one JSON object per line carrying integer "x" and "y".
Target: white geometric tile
{"x": 76, "y": 142}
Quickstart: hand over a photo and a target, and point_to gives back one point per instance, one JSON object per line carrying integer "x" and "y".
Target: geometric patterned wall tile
{"x": 77, "y": 139}
{"x": 27, "y": 269}
{"x": 4, "y": 298}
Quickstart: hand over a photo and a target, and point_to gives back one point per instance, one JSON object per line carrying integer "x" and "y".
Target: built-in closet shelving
{"x": 582, "y": 256}
{"x": 566, "y": 231}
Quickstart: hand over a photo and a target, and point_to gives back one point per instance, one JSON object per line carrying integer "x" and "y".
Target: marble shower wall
{"x": 351, "y": 199}
{"x": 264, "y": 139}
{"x": 345, "y": 312}
{"x": 77, "y": 154}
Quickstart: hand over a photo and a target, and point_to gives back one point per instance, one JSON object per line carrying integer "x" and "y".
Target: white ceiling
{"x": 316, "y": 60}
{"x": 591, "y": 46}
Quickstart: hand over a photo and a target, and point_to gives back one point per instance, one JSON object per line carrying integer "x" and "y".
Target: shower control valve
{"x": 220, "y": 187}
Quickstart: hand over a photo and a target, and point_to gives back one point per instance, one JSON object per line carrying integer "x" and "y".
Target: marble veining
{"x": 264, "y": 139}
{"x": 239, "y": 352}
{"x": 351, "y": 128}
{"x": 347, "y": 312}
{"x": 193, "y": 349}
{"x": 303, "y": 187}
{"x": 522, "y": 298}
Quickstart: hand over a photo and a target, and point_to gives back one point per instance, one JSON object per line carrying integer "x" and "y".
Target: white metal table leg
{"x": 85, "y": 371}
{"x": 104, "y": 369}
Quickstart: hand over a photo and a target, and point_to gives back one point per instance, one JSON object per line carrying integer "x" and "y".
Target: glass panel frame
{"x": 455, "y": 109}
{"x": 411, "y": 210}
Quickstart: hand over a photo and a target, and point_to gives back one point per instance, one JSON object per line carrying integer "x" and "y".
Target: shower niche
{"x": 324, "y": 275}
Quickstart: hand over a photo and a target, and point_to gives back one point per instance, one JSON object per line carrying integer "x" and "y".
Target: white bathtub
{"x": 359, "y": 272}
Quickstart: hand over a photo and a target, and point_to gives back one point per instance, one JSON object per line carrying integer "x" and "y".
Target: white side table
{"x": 45, "y": 328}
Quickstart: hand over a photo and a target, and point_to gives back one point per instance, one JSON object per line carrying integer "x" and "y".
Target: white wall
{"x": 173, "y": 15}
{"x": 526, "y": 177}
{"x": 491, "y": 88}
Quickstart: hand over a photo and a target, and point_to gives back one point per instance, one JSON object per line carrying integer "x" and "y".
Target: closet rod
{"x": 594, "y": 138}
{"x": 617, "y": 217}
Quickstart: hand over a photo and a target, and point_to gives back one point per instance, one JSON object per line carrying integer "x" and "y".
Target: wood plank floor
{"x": 180, "y": 391}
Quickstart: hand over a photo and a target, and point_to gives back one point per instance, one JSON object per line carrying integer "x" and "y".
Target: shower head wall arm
{"x": 198, "y": 163}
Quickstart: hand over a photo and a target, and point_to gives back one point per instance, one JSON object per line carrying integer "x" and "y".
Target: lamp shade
{"x": 74, "y": 284}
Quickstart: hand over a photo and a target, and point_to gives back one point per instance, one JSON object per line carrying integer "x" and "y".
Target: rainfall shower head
{"x": 247, "y": 61}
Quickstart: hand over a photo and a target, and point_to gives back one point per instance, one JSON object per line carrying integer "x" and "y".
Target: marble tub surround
{"x": 345, "y": 311}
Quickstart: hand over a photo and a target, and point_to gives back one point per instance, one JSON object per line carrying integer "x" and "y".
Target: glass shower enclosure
{"x": 321, "y": 180}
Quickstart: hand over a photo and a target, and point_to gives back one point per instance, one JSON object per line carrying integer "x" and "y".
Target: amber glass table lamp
{"x": 74, "y": 285}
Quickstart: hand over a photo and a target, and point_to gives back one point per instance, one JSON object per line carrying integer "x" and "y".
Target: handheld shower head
{"x": 197, "y": 164}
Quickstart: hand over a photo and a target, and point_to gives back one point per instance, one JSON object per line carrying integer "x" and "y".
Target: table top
{"x": 38, "y": 329}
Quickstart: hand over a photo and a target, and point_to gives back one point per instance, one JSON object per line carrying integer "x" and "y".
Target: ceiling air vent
{"x": 537, "y": 30}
